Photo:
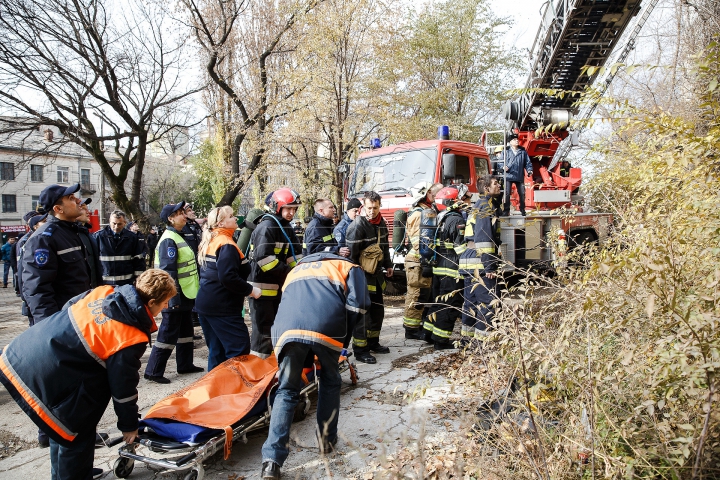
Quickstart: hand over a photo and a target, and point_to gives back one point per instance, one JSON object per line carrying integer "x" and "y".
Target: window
{"x": 8, "y": 204}
{"x": 63, "y": 174}
{"x": 462, "y": 169}
{"x": 85, "y": 177}
{"x": 481, "y": 167}
{"x": 35, "y": 202}
{"x": 36, "y": 173}
{"x": 7, "y": 171}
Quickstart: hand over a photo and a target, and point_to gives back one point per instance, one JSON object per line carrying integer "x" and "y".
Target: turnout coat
{"x": 323, "y": 297}
{"x": 64, "y": 374}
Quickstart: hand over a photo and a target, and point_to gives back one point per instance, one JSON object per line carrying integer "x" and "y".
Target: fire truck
{"x": 573, "y": 34}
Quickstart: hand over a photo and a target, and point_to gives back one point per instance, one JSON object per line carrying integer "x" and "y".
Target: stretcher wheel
{"x": 123, "y": 467}
{"x": 197, "y": 473}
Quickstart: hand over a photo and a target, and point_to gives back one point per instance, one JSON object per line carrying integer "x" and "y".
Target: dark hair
{"x": 484, "y": 182}
{"x": 373, "y": 197}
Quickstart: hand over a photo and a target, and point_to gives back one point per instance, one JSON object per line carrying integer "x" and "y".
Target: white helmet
{"x": 419, "y": 191}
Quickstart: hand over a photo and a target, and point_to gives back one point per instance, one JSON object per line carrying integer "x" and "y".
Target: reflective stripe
{"x": 260, "y": 355}
{"x": 441, "y": 333}
{"x": 180, "y": 244}
{"x": 68, "y": 250}
{"x": 471, "y": 263}
{"x": 373, "y": 333}
{"x": 448, "y": 272}
{"x": 314, "y": 337}
{"x": 118, "y": 278}
{"x": 355, "y": 309}
{"x": 412, "y": 322}
{"x": 117, "y": 258}
{"x": 185, "y": 264}
{"x": 267, "y": 286}
{"x": 304, "y": 245}
{"x": 488, "y": 250}
{"x": 459, "y": 249}
{"x": 82, "y": 338}
{"x": 125, "y": 400}
{"x": 142, "y": 255}
{"x": 428, "y": 326}
{"x": 185, "y": 340}
{"x": 269, "y": 266}
{"x": 372, "y": 288}
{"x": 187, "y": 274}
{"x": 266, "y": 260}
{"x": 359, "y": 343}
{"x": 327, "y": 238}
{"x": 466, "y": 331}
{"x": 138, "y": 273}
{"x": 243, "y": 262}
{"x": 164, "y": 346}
{"x": 485, "y": 245}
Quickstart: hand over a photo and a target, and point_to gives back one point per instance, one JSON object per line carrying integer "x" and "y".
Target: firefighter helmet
{"x": 419, "y": 191}
{"x": 451, "y": 197}
{"x": 285, "y": 197}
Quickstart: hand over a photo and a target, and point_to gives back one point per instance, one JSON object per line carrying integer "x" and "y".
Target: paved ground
{"x": 387, "y": 409}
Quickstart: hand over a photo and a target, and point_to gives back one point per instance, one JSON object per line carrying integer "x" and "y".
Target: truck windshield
{"x": 393, "y": 171}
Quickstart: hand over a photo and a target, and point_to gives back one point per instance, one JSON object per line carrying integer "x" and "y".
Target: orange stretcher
{"x": 223, "y": 406}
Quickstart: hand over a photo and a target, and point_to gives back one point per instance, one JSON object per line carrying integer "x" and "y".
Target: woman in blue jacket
{"x": 223, "y": 287}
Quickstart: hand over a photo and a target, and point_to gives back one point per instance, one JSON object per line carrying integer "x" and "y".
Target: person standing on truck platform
{"x": 417, "y": 271}
{"x": 351, "y": 211}
{"x": 516, "y": 163}
{"x": 480, "y": 261}
{"x": 274, "y": 252}
{"x": 324, "y": 297}
{"x": 367, "y": 237}
{"x": 319, "y": 233}
{"x": 175, "y": 256}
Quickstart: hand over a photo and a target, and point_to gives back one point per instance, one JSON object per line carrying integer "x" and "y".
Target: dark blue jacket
{"x": 516, "y": 162}
{"x": 55, "y": 267}
{"x": 319, "y": 236}
{"x": 122, "y": 257}
{"x": 192, "y": 233}
{"x": 483, "y": 230}
{"x": 271, "y": 256}
{"x": 6, "y": 252}
{"x": 341, "y": 229}
{"x": 55, "y": 366}
{"x": 323, "y": 298}
{"x": 93, "y": 255}
{"x": 223, "y": 282}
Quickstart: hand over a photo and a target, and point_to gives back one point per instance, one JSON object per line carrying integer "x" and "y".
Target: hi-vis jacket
{"x": 323, "y": 297}
{"x": 64, "y": 374}
{"x": 177, "y": 258}
{"x": 449, "y": 243}
{"x": 482, "y": 234}
{"x": 271, "y": 255}
{"x": 223, "y": 277}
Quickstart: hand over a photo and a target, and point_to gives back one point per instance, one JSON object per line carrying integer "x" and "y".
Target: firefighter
{"x": 121, "y": 252}
{"x": 176, "y": 257}
{"x": 515, "y": 163}
{"x": 447, "y": 284}
{"x": 64, "y": 374}
{"x": 324, "y": 297}
{"x": 351, "y": 211}
{"x": 366, "y": 231}
{"x": 319, "y": 233}
{"x": 274, "y": 251}
{"x": 479, "y": 262}
{"x": 417, "y": 271}
{"x": 223, "y": 287}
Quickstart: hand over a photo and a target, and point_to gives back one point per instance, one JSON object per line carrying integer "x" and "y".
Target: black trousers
{"x": 262, "y": 315}
{"x": 176, "y": 330}
{"x": 367, "y": 331}
{"x": 446, "y": 312}
{"x": 506, "y": 198}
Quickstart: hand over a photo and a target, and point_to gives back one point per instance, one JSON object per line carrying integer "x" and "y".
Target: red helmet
{"x": 285, "y": 197}
{"x": 446, "y": 197}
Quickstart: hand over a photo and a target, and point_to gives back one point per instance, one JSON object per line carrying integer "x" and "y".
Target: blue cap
{"x": 29, "y": 215}
{"x": 36, "y": 219}
{"x": 51, "y": 195}
{"x": 168, "y": 210}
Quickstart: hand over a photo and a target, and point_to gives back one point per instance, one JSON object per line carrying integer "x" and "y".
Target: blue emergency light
{"x": 375, "y": 143}
{"x": 444, "y": 132}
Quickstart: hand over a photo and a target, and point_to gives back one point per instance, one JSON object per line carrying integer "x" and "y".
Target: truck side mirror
{"x": 448, "y": 163}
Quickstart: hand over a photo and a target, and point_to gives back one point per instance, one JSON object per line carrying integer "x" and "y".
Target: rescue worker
{"x": 223, "y": 287}
{"x": 417, "y": 271}
{"x": 91, "y": 244}
{"x": 274, "y": 251}
{"x": 447, "y": 284}
{"x": 324, "y": 297}
{"x": 55, "y": 267}
{"x": 515, "y": 163}
{"x": 34, "y": 222}
{"x": 319, "y": 233}
{"x": 64, "y": 374}
{"x": 480, "y": 261}
{"x": 351, "y": 211}
{"x": 176, "y": 257}
{"x": 122, "y": 253}
{"x": 364, "y": 232}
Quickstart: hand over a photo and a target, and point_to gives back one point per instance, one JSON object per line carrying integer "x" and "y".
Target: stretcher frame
{"x": 192, "y": 463}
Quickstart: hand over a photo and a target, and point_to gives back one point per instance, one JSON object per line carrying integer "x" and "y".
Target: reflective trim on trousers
{"x": 373, "y": 333}
{"x": 441, "y": 333}
{"x": 412, "y": 322}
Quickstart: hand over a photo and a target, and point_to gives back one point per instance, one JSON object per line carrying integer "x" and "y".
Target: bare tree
{"x": 71, "y": 63}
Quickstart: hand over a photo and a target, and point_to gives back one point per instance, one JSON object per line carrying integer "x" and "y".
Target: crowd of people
{"x": 307, "y": 299}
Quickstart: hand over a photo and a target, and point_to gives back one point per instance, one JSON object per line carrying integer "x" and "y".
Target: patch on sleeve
{"x": 172, "y": 252}
{"x": 42, "y": 255}
{"x": 338, "y": 237}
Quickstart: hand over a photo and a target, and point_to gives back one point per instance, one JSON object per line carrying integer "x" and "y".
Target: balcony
{"x": 87, "y": 189}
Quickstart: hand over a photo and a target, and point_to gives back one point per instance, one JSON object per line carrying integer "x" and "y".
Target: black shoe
{"x": 522, "y": 213}
{"x": 270, "y": 470}
{"x": 427, "y": 336}
{"x": 365, "y": 357}
{"x": 379, "y": 349}
{"x": 97, "y": 472}
{"x": 416, "y": 334}
{"x": 444, "y": 346}
{"x": 43, "y": 440}
{"x": 100, "y": 439}
{"x": 156, "y": 378}
{"x": 192, "y": 369}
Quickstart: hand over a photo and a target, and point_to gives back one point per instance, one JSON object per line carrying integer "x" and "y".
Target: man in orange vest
{"x": 64, "y": 374}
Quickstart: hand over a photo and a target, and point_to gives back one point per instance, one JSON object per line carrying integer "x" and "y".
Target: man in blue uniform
{"x": 319, "y": 233}
{"x": 121, "y": 253}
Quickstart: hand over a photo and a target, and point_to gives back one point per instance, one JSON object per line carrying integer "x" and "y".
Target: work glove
{"x": 427, "y": 271}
